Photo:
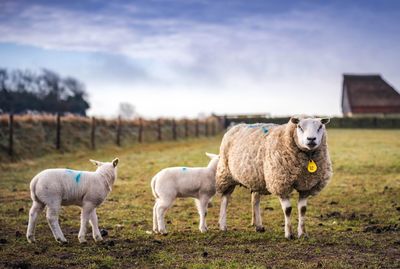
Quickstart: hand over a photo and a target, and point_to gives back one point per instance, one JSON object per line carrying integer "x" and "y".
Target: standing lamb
{"x": 173, "y": 182}
{"x": 275, "y": 159}
{"x": 56, "y": 187}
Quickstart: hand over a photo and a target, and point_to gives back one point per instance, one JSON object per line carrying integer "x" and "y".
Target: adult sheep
{"x": 275, "y": 159}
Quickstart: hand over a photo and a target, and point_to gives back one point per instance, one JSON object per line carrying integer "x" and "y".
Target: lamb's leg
{"x": 52, "y": 219}
{"x": 86, "y": 211}
{"x": 155, "y": 226}
{"x": 202, "y": 209}
{"x": 162, "y": 207}
{"x": 222, "y": 213}
{"x": 94, "y": 222}
{"x": 256, "y": 213}
{"x": 287, "y": 210}
{"x": 35, "y": 210}
{"x": 302, "y": 208}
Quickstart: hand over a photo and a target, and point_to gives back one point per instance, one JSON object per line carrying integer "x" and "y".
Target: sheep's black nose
{"x": 311, "y": 138}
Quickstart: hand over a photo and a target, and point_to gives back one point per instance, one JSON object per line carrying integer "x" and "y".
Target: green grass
{"x": 364, "y": 194}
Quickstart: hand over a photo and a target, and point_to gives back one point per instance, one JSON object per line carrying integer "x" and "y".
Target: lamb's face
{"x": 309, "y": 131}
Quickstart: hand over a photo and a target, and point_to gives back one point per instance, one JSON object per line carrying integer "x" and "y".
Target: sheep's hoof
{"x": 82, "y": 240}
{"x": 260, "y": 229}
{"x": 223, "y": 228}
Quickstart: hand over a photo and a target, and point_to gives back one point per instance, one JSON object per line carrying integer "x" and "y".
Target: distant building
{"x": 369, "y": 95}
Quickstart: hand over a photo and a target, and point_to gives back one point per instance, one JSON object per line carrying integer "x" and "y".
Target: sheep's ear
{"x": 325, "y": 120}
{"x": 97, "y": 163}
{"x": 295, "y": 120}
{"x": 115, "y": 162}
{"x": 212, "y": 155}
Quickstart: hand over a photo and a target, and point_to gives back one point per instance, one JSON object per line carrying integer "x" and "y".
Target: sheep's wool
{"x": 266, "y": 159}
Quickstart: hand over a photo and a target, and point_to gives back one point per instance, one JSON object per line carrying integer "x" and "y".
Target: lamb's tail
{"x": 153, "y": 186}
{"x": 32, "y": 187}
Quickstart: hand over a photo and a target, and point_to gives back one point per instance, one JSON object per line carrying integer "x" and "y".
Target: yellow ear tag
{"x": 312, "y": 166}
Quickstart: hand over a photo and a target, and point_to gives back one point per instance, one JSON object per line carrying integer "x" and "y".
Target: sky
{"x": 180, "y": 58}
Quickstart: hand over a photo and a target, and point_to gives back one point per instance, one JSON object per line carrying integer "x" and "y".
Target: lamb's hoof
{"x": 98, "y": 238}
{"x": 62, "y": 241}
{"x": 303, "y": 235}
{"x": 31, "y": 239}
{"x": 164, "y": 232}
{"x": 260, "y": 229}
{"x": 223, "y": 228}
{"x": 82, "y": 240}
{"x": 289, "y": 237}
{"x": 203, "y": 230}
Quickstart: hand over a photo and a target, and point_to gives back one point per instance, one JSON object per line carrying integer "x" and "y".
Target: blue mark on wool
{"x": 77, "y": 174}
{"x": 184, "y": 169}
{"x": 78, "y": 177}
{"x": 264, "y": 128}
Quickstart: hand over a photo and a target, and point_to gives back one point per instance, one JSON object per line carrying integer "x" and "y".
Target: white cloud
{"x": 282, "y": 63}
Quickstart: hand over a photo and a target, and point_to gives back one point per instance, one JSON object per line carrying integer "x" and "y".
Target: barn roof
{"x": 370, "y": 94}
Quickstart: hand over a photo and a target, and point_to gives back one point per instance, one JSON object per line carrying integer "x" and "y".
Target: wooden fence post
{"x": 197, "y": 128}
{"x": 93, "y": 134}
{"x": 159, "y": 131}
{"x": 174, "y": 134}
{"x": 186, "y": 128}
{"x": 11, "y": 135}
{"x": 206, "y": 127}
{"x": 213, "y": 128}
{"x": 140, "y": 135}
{"x": 119, "y": 131}
{"x": 58, "y": 132}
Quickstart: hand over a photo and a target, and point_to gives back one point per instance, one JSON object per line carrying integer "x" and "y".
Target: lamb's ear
{"x": 325, "y": 120}
{"x": 115, "y": 162}
{"x": 212, "y": 155}
{"x": 97, "y": 163}
{"x": 295, "y": 120}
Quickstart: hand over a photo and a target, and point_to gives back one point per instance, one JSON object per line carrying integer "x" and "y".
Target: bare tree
{"x": 126, "y": 111}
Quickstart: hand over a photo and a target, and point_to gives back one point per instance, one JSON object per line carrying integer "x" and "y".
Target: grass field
{"x": 353, "y": 223}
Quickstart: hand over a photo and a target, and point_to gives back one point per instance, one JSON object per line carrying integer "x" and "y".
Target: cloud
{"x": 297, "y": 54}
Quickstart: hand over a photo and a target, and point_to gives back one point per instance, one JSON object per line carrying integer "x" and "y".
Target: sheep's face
{"x": 309, "y": 131}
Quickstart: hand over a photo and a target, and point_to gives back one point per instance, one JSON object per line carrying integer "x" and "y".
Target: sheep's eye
{"x": 320, "y": 127}
{"x": 301, "y": 129}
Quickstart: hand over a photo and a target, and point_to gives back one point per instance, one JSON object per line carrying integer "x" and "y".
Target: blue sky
{"x": 181, "y": 58}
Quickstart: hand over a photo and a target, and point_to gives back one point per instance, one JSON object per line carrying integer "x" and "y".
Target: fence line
{"x": 68, "y": 132}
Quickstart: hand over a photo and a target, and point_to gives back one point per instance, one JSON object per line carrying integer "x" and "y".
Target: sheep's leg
{"x": 202, "y": 209}
{"x": 85, "y": 216}
{"x": 287, "y": 210}
{"x": 33, "y": 214}
{"x": 52, "y": 219}
{"x": 302, "y": 208}
{"x": 162, "y": 207}
{"x": 94, "y": 222}
{"x": 256, "y": 213}
{"x": 222, "y": 213}
{"x": 155, "y": 226}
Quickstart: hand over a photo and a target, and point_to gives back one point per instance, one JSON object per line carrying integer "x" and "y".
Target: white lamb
{"x": 173, "y": 182}
{"x": 56, "y": 187}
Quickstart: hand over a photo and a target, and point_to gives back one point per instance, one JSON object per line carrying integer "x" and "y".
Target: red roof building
{"x": 368, "y": 95}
